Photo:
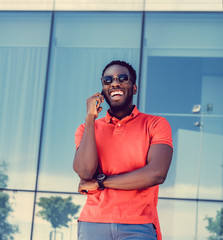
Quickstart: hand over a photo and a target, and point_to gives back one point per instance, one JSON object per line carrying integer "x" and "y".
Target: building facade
{"x": 51, "y": 58}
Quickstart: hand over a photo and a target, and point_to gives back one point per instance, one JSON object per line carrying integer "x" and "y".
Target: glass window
{"x": 183, "y": 81}
{"x": 23, "y": 60}
{"x": 177, "y": 219}
{"x": 209, "y": 220}
{"x": 62, "y": 213}
{"x": 83, "y": 43}
{"x": 211, "y": 172}
{"x": 182, "y": 179}
{"x": 16, "y": 214}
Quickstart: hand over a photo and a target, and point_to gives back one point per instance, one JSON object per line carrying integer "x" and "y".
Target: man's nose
{"x": 115, "y": 81}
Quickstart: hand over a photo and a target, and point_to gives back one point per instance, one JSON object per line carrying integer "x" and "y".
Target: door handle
{"x": 196, "y": 108}
{"x": 198, "y": 124}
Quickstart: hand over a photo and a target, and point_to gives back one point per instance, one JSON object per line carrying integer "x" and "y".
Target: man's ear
{"x": 134, "y": 89}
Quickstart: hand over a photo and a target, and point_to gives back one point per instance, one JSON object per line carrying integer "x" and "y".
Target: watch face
{"x": 101, "y": 177}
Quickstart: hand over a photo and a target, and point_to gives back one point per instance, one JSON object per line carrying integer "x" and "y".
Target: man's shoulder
{"x": 100, "y": 120}
{"x": 149, "y": 116}
{"x": 151, "y": 120}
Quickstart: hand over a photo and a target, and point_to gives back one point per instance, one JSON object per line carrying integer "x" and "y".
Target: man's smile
{"x": 115, "y": 93}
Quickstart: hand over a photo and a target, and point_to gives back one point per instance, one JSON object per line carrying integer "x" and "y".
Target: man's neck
{"x": 120, "y": 113}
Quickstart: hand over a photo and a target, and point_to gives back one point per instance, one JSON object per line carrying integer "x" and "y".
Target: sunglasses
{"x": 122, "y": 78}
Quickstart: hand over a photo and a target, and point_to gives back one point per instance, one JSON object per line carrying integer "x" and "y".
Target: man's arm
{"x": 154, "y": 173}
{"x": 86, "y": 157}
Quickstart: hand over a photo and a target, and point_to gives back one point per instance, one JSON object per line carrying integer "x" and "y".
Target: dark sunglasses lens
{"x": 123, "y": 78}
{"x": 107, "y": 80}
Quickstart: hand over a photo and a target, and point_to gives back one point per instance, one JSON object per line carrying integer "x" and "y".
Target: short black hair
{"x": 124, "y": 64}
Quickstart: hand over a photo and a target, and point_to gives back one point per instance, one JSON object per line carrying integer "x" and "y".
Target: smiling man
{"x": 121, "y": 159}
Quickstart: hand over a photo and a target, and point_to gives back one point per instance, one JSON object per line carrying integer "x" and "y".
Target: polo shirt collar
{"x": 110, "y": 119}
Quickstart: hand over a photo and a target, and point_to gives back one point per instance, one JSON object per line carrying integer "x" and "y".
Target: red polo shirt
{"x": 122, "y": 146}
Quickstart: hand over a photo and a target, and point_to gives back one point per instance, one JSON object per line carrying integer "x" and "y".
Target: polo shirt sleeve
{"x": 160, "y": 132}
{"x": 78, "y": 135}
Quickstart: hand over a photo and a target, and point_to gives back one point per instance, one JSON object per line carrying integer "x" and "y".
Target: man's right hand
{"x": 93, "y": 105}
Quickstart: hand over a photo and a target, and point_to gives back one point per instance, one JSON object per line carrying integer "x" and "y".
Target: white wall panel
{"x": 29, "y": 5}
{"x": 183, "y": 5}
{"x": 112, "y": 5}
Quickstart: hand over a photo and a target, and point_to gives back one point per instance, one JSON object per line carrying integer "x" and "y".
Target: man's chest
{"x": 121, "y": 148}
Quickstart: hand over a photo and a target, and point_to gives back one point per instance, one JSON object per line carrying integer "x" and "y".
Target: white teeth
{"x": 116, "y": 93}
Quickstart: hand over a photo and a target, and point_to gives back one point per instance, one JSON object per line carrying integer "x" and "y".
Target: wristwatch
{"x": 100, "y": 178}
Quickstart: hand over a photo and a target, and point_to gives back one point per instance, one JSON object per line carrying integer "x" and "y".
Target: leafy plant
{"x": 215, "y": 226}
{"x": 3, "y": 176}
{"x": 6, "y": 229}
{"x": 57, "y": 210}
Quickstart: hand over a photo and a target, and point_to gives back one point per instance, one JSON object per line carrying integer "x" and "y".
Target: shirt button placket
{"x": 119, "y": 128}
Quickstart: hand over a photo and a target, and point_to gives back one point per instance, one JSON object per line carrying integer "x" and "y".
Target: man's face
{"x": 118, "y": 95}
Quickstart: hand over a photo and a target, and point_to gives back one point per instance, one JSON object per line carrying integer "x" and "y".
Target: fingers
{"x": 99, "y": 98}
{"x": 84, "y": 192}
{"x": 93, "y": 104}
{"x": 81, "y": 189}
{"x": 88, "y": 187}
{"x": 99, "y": 109}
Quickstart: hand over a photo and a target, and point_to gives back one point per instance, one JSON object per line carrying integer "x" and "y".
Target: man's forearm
{"x": 138, "y": 179}
{"x": 154, "y": 173}
{"x": 86, "y": 157}
{"x": 142, "y": 178}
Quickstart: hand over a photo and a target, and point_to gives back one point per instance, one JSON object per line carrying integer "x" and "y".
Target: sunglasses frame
{"x": 117, "y": 77}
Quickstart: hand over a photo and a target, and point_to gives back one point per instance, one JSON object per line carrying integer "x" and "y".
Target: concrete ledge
{"x": 112, "y": 5}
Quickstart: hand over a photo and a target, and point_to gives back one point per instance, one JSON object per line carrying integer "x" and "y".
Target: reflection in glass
{"x": 23, "y": 58}
{"x": 19, "y": 206}
{"x": 182, "y": 179}
{"x": 175, "y": 83}
{"x": 215, "y": 225}
{"x": 83, "y": 44}
{"x": 211, "y": 177}
{"x": 210, "y": 221}
{"x": 177, "y": 219}
{"x": 177, "y": 54}
{"x": 211, "y": 172}
{"x": 56, "y": 216}
{"x": 7, "y": 230}
{"x": 183, "y": 69}
{"x": 57, "y": 210}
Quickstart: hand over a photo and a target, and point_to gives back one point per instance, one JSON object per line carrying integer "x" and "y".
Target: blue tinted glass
{"x": 211, "y": 170}
{"x": 23, "y": 60}
{"x": 83, "y": 43}
{"x": 175, "y": 83}
{"x": 183, "y": 81}
{"x": 184, "y": 170}
{"x": 66, "y": 210}
{"x": 177, "y": 55}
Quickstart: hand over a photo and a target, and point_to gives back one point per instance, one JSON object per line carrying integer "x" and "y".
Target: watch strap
{"x": 100, "y": 180}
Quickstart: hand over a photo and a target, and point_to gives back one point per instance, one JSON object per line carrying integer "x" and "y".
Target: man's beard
{"x": 121, "y": 106}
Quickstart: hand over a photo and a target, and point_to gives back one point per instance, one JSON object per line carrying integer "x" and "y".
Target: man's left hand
{"x": 88, "y": 187}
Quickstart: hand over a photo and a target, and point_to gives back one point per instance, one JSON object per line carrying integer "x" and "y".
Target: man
{"x": 121, "y": 159}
